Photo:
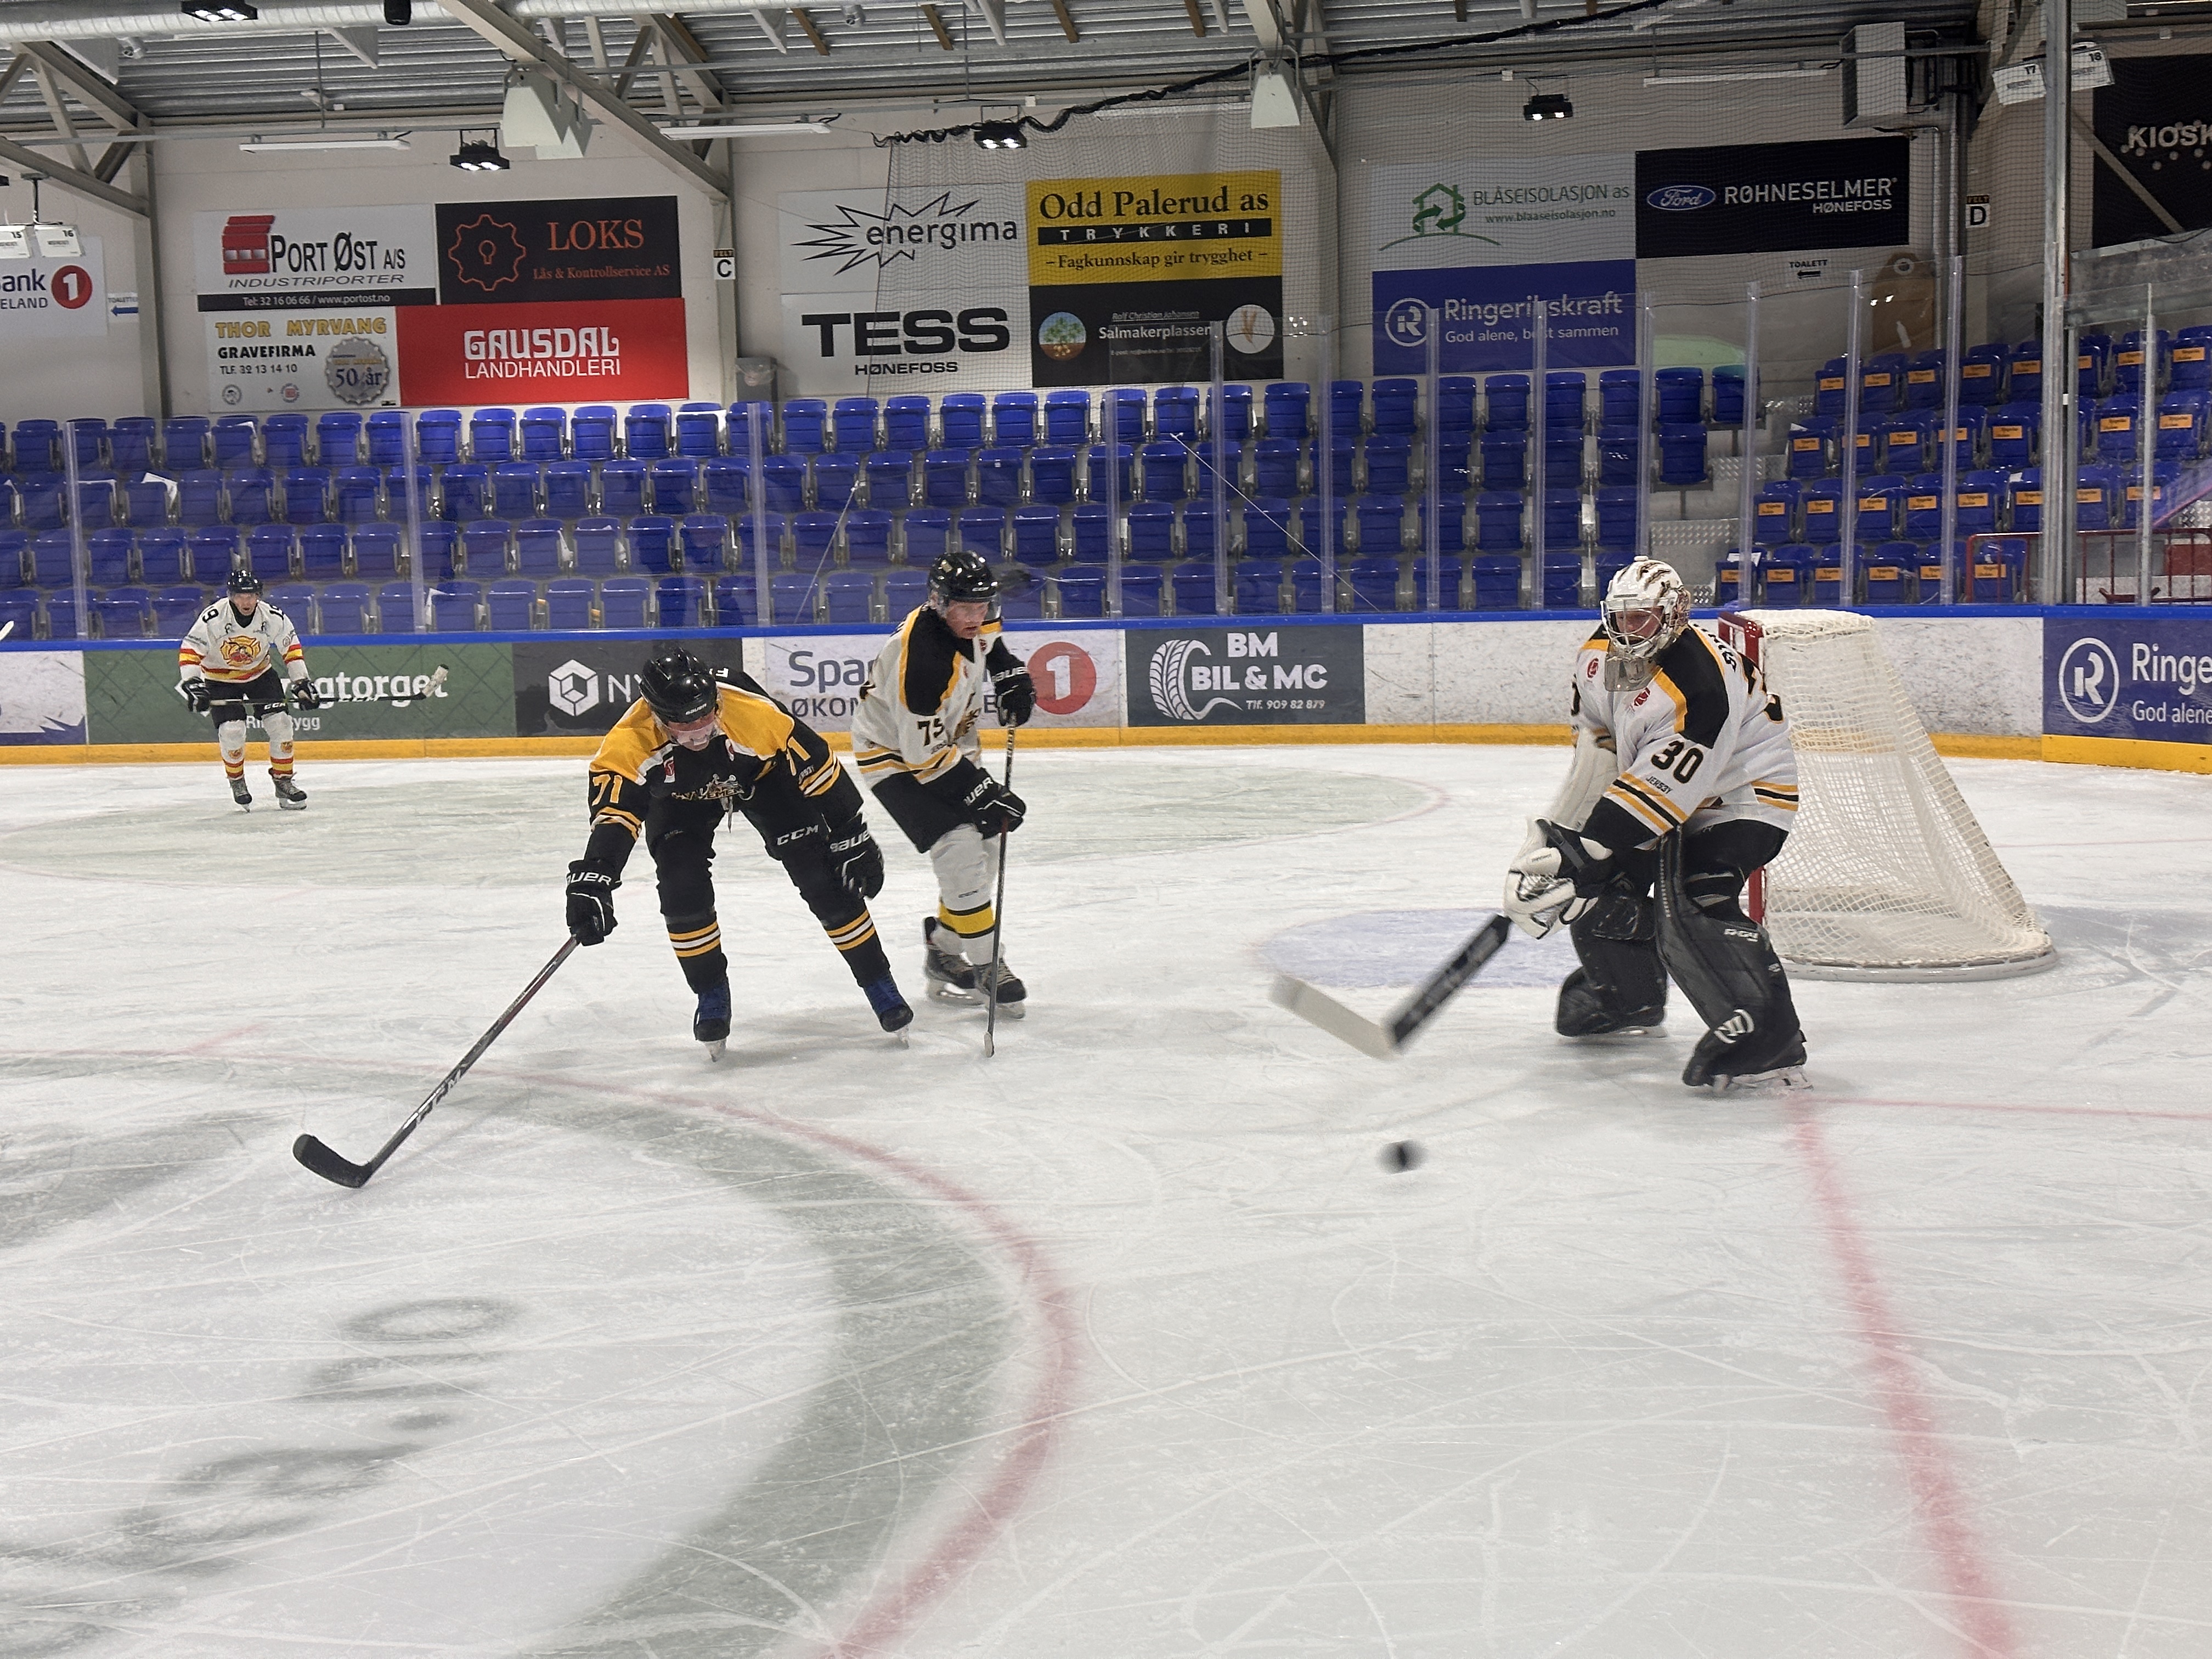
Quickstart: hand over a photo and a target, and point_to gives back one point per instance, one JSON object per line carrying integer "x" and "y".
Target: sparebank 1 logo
{"x": 1439, "y": 213}
{"x": 858, "y": 237}
{"x": 2089, "y": 680}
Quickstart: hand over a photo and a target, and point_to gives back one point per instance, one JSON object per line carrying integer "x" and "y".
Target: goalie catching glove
{"x": 591, "y": 902}
{"x": 1559, "y": 876}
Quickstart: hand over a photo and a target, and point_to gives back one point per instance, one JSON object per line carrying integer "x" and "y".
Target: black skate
{"x": 891, "y": 1011}
{"x": 1755, "y": 1065}
{"x": 1588, "y": 1010}
{"x": 241, "y": 795}
{"x": 1013, "y": 995}
{"x": 950, "y": 976}
{"x": 711, "y": 1023}
{"x": 289, "y": 796}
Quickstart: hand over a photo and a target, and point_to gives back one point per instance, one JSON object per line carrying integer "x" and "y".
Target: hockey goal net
{"x": 1886, "y": 875}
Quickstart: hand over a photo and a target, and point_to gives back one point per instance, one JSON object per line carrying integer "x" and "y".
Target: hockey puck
{"x": 1401, "y": 1156}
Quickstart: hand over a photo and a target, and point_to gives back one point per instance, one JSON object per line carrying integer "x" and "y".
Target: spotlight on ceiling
{"x": 399, "y": 13}
{"x": 1547, "y": 106}
{"x": 478, "y": 155}
{"x": 219, "y": 11}
{"x": 1000, "y": 135}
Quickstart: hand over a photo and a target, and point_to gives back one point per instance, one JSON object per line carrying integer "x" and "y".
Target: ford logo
{"x": 1681, "y": 199}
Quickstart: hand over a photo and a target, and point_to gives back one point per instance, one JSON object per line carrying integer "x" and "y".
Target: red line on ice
{"x": 2009, "y": 1106}
{"x": 1939, "y": 1503}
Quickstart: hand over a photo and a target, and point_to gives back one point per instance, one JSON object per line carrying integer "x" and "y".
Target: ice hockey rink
{"x": 1122, "y": 1345}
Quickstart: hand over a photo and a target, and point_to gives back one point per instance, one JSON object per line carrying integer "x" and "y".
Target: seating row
{"x": 1986, "y": 572}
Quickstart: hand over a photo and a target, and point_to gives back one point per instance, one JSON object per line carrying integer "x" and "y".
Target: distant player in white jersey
{"x": 915, "y": 741}
{"x": 243, "y": 654}
{"x": 1683, "y": 780}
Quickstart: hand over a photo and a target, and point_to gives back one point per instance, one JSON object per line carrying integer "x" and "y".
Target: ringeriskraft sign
{"x": 1246, "y": 676}
{"x": 904, "y": 291}
{"x": 2144, "y": 678}
{"x": 1480, "y": 240}
{"x": 1769, "y": 198}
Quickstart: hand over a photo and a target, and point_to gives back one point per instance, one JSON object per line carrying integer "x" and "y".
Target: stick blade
{"x": 322, "y": 1161}
{"x": 1316, "y": 1007}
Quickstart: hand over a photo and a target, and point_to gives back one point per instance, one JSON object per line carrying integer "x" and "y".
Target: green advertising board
{"x": 370, "y": 691}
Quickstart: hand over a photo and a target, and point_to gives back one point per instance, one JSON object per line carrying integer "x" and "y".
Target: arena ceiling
{"x": 87, "y": 72}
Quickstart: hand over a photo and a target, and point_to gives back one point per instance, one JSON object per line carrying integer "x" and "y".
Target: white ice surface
{"x": 1121, "y": 1346}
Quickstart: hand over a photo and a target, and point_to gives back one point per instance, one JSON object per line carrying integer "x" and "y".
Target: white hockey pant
{"x": 967, "y": 864}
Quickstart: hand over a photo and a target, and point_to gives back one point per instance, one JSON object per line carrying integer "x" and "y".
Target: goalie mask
{"x": 1645, "y": 611}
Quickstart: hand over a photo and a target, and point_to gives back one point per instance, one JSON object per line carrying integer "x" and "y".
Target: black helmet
{"x": 961, "y": 577}
{"x": 678, "y": 688}
{"x": 245, "y": 581}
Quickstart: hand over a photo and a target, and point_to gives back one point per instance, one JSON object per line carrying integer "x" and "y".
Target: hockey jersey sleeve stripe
{"x": 1659, "y": 815}
{"x": 1776, "y": 794}
{"x": 858, "y": 931}
{"x": 822, "y": 779}
{"x": 615, "y": 815}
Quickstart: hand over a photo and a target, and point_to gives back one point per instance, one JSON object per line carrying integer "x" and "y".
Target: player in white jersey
{"x": 243, "y": 654}
{"x": 914, "y": 738}
{"x": 1683, "y": 782}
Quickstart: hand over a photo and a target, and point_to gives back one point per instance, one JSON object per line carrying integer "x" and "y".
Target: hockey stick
{"x": 998, "y": 920}
{"x": 329, "y": 1165}
{"x": 1384, "y": 1041}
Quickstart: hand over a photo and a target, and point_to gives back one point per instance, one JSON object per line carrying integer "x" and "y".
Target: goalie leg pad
{"x": 1620, "y": 986}
{"x": 1727, "y": 967}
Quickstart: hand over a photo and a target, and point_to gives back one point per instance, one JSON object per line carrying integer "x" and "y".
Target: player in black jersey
{"x": 692, "y": 751}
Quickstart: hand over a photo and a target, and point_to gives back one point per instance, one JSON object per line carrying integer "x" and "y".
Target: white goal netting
{"x": 1886, "y": 875}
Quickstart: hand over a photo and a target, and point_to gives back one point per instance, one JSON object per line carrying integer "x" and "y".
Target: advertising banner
{"x": 615, "y": 247}
{"x": 568, "y": 351}
{"x": 580, "y": 687}
{"x": 2155, "y": 119}
{"x": 818, "y": 677}
{"x": 1768, "y": 198}
{"x": 1259, "y": 676}
{"x": 1129, "y": 275}
{"x": 370, "y": 691}
{"x": 298, "y": 259}
{"x": 41, "y": 697}
{"x": 890, "y": 292}
{"x": 1477, "y": 240}
{"x": 304, "y": 359}
{"x": 45, "y": 298}
{"x": 2146, "y": 678}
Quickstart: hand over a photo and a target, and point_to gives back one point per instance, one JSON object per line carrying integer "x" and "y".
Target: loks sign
{"x": 1246, "y": 677}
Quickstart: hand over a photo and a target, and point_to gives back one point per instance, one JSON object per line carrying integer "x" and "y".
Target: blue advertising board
{"x": 2131, "y": 676}
{"x": 1486, "y": 316}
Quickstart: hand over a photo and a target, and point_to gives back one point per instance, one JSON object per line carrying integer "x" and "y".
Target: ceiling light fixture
{"x": 755, "y": 130}
{"x": 1733, "y": 74}
{"x": 1000, "y": 135}
{"x": 1547, "y": 106}
{"x": 398, "y": 13}
{"x": 278, "y": 146}
{"x": 220, "y": 11}
{"x": 478, "y": 155}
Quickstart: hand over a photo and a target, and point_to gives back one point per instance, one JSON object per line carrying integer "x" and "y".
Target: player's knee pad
{"x": 277, "y": 725}
{"x": 1725, "y": 963}
{"x": 1620, "y": 984}
{"x": 683, "y": 876}
{"x": 231, "y": 736}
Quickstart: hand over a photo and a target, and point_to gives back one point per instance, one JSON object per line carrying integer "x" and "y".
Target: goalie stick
{"x": 328, "y": 1164}
{"x": 1385, "y": 1039}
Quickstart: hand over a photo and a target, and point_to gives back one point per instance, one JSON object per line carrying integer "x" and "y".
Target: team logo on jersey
{"x": 239, "y": 650}
{"x": 2089, "y": 680}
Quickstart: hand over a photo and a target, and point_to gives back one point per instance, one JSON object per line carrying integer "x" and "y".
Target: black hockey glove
{"x": 194, "y": 693}
{"x": 591, "y": 902}
{"x": 303, "y": 694}
{"x": 859, "y": 861}
{"x": 992, "y": 807}
{"x": 1017, "y": 694}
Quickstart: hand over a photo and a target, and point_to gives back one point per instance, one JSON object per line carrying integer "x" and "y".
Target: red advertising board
{"x": 560, "y": 351}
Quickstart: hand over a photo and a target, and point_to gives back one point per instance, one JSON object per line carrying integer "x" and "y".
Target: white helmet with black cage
{"x": 1645, "y": 611}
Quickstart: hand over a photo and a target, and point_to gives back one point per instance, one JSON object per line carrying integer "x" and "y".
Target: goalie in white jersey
{"x": 244, "y": 654}
{"x": 914, "y": 740}
{"x": 1683, "y": 782}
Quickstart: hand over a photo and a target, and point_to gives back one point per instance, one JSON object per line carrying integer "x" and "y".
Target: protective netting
{"x": 1886, "y": 874}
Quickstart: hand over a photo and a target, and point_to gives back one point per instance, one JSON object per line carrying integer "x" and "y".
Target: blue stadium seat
{"x": 1151, "y": 528}
{"x": 357, "y": 494}
{"x": 1390, "y": 464}
{"x": 983, "y": 530}
{"x": 794, "y": 597}
{"x": 1285, "y": 409}
{"x": 337, "y": 438}
{"x": 123, "y": 613}
{"x": 771, "y": 526}
{"x": 2097, "y": 498}
{"x": 1021, "y": 594}
{"x": 2024, "y": 383}
{"x": 1999, "y": 572}
{"x": 1566, "y": 394}
{"x": 1382, "y": 524}
{"x": 599, "y": 547}
{"x": 783, "y": 483}
{"x": 545, "y": 433}
{"x": 514, "y": 486}
{"x": 1728, "y": 396}
{"x": 568, "y": 604}
{"x": 1563, "y": 518}
{"x": 1786, "y": 572}
{"x": 889, "y": 476}
{"x": 835, "y": 478}
{"x": 108, "y": 554}
{"x": 1497, "y": 522}
{"x": 904, "y": 591}
{"x": 852, "y": 423}
{"x": 511, "y": 605}
{"x": 651, "y": 545}
{"x": 1397, "y": 402}
{"x": 1014, "y": 419}
{"x": 247, "y": 494}
{"x": 1616, "y": 516}
{"x": 1348, "y": 407}
{"x": 161, "y": 556}
{"x": 737, "y": 601}
{"x": 283, "y": 441}
{"x": 623, "y": 601}
{"x": 1078, "y": 591}
{"x": 538, "y": 546}
{"x": 456, "y": 607}
{"x": 591, "y": 432}
{"x": 1617, "y": 457}
{"x": 1925, "y": 381}
{"x": 1904, "y": 444}
{"x": 1167, "y": 469}
{"x": 680, "y": 601}
{"x": 1504, "y": 458}
{"x": 1259, "y": 586}
{"x": 723, "y": 482}
{"x": 1275, "y": 467}
{"x": 849, "y": 596}
{"x": 2116, "y": 424}
{"x": 269, "y": 551}
{"x": 868, "y": 536}
{"x": 704, "y": 539}
{"x": 130, "y": 443}
{"x": 2014, "y": 432}
{"x": 1682, "y": 455}
{"x": 999, "y": 477}
{"x": 813, "y": 540}
{"x": 491, "y": 437}
{"x": 928, "y": 530}
{"x": 1174, "y": 413}
{"x": 1498, "y": 582}
{"x": 1678, "y": 395}
{"x": 1121, "y": 415}
{"x": 1879, "y": 514}
{"x": 1982, "y": 375}
{"x": 1822, "y": 505}
{"x": 176, "y": 608}
{"x": 184, "y": 444}
{"x": 1892, "y": 574}
{"x": 1343, "y": 459}
{"x": 1561, "y": 580}
{"x": 960, "y": 420}
{"x": 568, "y": 490}
{"x": 441, "y": 548}
{"x": 621, "y": 487}
{"x": 1113, "y": 464}
{"x": 1373, "y": 580}
{"x": 485, "y": 547}
{"x": 1233, "y": 453}
{"x": 1089, "y": 531}
{"x": 2189, "y": 363}
{"x": 1036, "y": 534}
{"x": 2181, "y": 424}
{"x": 53, "y": 556}
{"x": 376, "y": 550}
{"x": 944, "y": 477}
{"x": 647, "y": 435}
{"x": 322, "y": 552}
{"x": 61, "y": 614}
{"x": 395, "y": 608}
{"x": 672, "y": 486}
{"x": 1067, "y": 417}
{"x": 698, "y": 431}
{"x": 1052, "y": 474}
{"x": 906, "y": 423}
{"x": 146, "y": 501}
{"x": 2093, "y": 365}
